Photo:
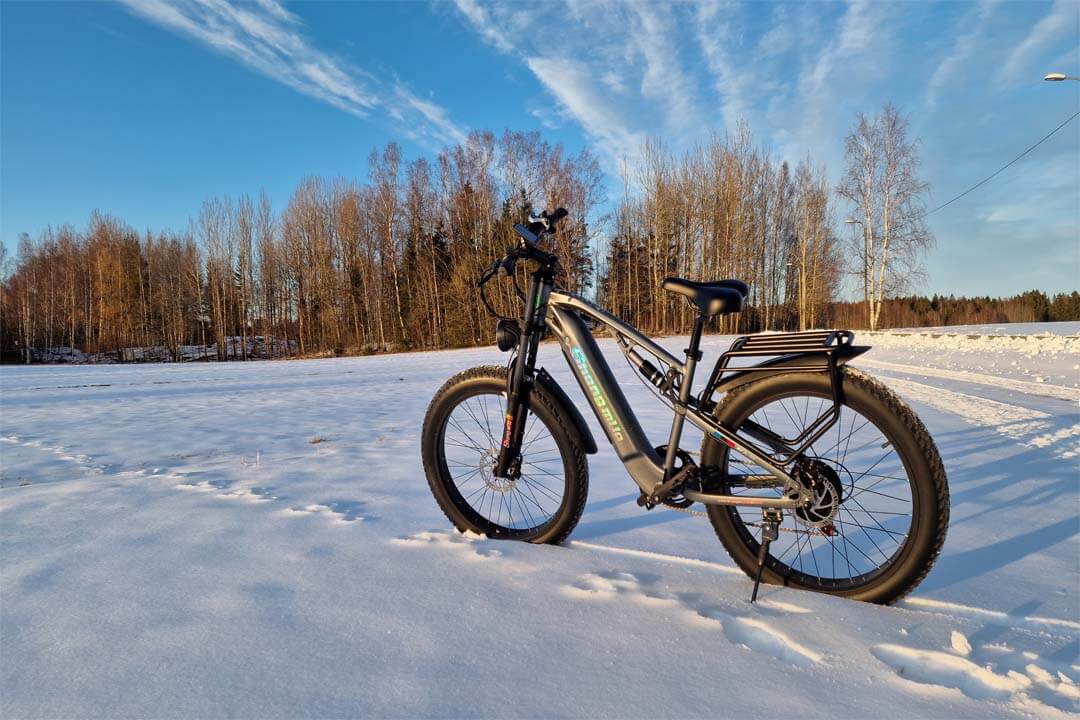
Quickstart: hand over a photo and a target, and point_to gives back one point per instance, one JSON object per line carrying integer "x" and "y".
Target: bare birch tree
{"x": 882, "y": 185}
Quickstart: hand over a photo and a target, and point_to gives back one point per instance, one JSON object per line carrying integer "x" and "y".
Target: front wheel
{"x": 881, "y": 499}
{"x": 543, "y": 500}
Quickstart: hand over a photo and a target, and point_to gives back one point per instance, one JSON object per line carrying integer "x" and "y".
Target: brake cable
{"x": 484, "y": 278}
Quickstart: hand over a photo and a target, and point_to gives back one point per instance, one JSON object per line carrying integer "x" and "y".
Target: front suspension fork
{"x": 517, "y": 412}
{"x": 519, "y": 392}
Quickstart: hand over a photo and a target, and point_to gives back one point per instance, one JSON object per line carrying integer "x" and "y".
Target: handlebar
{"x": 528, "y": 249}
{"x": 540, "y": 225}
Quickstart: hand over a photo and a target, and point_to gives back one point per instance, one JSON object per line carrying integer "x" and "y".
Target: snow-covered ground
{"x": 258, "y": 540}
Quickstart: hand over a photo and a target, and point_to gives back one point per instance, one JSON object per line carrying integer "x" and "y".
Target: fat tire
{"x": 549, "y": 411}
{"x": 930, "y": 488}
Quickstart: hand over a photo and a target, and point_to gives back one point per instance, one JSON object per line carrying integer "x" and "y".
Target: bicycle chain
{"x": 688, "y": 511}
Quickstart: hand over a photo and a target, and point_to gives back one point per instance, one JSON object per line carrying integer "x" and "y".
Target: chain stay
{"x": 699, "y": 513}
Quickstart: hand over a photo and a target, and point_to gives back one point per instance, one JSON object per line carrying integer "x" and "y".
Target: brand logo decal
{"x": 599, "y": 401}
{"x": 509, "y": 427}
{"x": 726, "y": 441}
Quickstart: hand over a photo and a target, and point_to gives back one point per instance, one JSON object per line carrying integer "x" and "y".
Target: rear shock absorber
{"x": 646, "y": 368}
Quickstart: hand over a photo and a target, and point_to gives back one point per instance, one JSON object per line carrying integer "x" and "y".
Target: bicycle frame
{"x": 564, "y": 314}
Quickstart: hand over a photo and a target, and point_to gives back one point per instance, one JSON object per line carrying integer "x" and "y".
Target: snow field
{"x": 174, "y": 544}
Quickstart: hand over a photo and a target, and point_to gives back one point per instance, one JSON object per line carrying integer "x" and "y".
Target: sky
{"x": 144, "y": 108}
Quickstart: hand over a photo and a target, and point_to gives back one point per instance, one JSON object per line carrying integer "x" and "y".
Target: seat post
{"x": 693, "y": 355}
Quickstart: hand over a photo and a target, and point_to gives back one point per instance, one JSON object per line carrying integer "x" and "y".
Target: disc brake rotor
{"x": 487, "y": 474}
{"x": 826, "y": 491}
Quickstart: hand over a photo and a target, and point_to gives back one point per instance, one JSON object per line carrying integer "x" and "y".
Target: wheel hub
{"x": 487, "y": 473}
{"x": 826, "y": 493}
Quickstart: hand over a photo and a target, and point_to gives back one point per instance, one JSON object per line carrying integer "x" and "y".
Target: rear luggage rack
{"x": 815, "y": 351}
{"x": 783, "y": 343}
{"x": 819, "y": 346}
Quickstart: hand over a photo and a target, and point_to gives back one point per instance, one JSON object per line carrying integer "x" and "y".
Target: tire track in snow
{"x": 65, "y": 455}
{"x": 659, "y": 557}
{"x": 994, "y": 617}
{"x": 751, "y": 632}
{"x": 1022, "y": 386}
{"x": 1033, "y": 428}
{"x": 987, "y": 672}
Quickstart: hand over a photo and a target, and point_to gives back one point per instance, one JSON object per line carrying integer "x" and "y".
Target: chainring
{"x": 683, "y": 459}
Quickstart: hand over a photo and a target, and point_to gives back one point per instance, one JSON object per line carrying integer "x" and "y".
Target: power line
{"x": 988, "y": 178}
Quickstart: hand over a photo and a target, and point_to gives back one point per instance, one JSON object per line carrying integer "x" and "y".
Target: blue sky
{"x": 144, "y": 108}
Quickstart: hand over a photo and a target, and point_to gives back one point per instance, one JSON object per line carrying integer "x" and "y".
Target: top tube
{"x": 576, "y": 302}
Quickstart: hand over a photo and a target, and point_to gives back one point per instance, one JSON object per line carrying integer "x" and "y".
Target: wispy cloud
{"x": 628, "y": 70}
{"x": 962, "y": 49}
{"x": 572, "y": 85}
{"x": 477, "y": 16}
{"x": 615, "y": 68}
{"x": 812, "y": 113}
{"x": 1062, "y": 21}
{"x": 269, "y": 39}
{"x": 716, "y": 36}
{"x": 858, "y": 28}
{"x": 664, "y": 80}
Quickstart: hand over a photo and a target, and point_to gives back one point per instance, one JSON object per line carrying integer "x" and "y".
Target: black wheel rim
{"x": 469, "y": 442}
{"x": 873, "y": 521}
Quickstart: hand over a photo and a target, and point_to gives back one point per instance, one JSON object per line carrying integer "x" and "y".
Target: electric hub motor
{"x": 826, "y": 491}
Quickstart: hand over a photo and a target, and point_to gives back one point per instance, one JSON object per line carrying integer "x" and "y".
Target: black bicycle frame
{"x": 564, "y": 314}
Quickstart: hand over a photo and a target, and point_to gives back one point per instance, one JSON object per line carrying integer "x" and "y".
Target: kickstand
{"x": 770, "y": 530}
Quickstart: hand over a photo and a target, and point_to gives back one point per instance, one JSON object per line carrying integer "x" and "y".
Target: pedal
{"x": 770, "y": 530}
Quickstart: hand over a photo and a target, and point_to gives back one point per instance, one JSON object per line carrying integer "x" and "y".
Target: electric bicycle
{"x": 813, "y": 474}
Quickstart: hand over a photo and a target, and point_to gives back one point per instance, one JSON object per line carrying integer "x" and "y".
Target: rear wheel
{"x": 881, "y": 500}
{"x": 545, "y": 496}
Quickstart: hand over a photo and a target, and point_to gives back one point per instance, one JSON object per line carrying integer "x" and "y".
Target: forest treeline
{"x": 391, "y": 263}
{"x": 388, "y": 264}
{"x": 936, "y": 311}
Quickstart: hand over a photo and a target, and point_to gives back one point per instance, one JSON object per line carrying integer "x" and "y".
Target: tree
{"x": 883, "y": 187}
{"x": 814, "y": 257}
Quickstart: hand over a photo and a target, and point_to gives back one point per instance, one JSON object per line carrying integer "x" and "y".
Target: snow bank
{"x": 1043, "y": 344}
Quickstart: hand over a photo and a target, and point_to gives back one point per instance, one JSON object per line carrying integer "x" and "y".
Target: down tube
{"x": 606, "y": 398}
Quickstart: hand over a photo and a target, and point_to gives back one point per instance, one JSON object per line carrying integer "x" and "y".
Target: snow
{"x": 258, "y": 540}
{"x": 1067, "y": 327}
{"x": 1038, "y": 352}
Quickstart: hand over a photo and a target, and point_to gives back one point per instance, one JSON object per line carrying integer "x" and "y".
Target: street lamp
{"x": 1058, "y": 77}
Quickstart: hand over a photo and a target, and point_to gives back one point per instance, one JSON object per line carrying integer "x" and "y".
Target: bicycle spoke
{"x": 515, "y": 504}
{"x": 861, "y": 530}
